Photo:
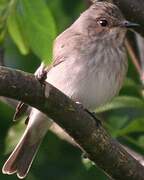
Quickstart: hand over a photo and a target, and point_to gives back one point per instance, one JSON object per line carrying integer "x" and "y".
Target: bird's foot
{"x": 41, "y": 74}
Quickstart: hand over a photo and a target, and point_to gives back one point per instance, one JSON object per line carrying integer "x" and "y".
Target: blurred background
{"x": 27, "y": 31}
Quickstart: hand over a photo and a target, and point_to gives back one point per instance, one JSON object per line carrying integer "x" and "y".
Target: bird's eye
{"x": 103, "y": 22}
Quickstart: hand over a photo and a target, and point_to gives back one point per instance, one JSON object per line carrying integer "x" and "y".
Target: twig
{"x": 133, "y": 56}
{"x": 140, "y": 43}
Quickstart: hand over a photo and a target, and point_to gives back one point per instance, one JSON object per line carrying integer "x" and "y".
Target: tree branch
{"x": 94, "y": 140}
{"x": 133, "y": 56}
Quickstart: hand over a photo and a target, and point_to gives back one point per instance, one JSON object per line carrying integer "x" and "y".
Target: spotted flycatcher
{"x": 89, "y": 66}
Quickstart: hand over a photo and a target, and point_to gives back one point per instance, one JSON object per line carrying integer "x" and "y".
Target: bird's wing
{"x": 41, "y": 72}
{"x": 20, "y": 111}
{"x": 57, "y": 61}
{"x": 22, "y": 108}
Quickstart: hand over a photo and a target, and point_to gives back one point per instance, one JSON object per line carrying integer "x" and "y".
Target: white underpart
{"x": 89, "y": 82}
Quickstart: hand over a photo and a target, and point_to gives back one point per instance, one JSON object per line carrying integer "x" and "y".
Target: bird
{"x": 89, "y": 66}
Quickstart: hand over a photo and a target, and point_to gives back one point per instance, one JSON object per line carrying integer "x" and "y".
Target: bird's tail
{"x": 21, "y": 158}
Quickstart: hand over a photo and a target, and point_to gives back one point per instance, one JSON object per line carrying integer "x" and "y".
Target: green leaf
{"x": 141, "y": 141}
{"x": 122, "y": 102}
{"x": 136, "y": 125}
{"x": 4, "y": 9}
{"x": 87, "y": 163}
{"x": 116, "y": 122}
{"x": 39, "y": 27}
{"x": 131, "y": 83}
{"x": 17, "y": 34}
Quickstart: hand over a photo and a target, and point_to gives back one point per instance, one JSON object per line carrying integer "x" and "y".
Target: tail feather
{"x": 21, "y": 158}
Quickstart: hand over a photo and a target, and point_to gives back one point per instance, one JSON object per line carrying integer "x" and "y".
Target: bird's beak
{"x": 128, "y": 24}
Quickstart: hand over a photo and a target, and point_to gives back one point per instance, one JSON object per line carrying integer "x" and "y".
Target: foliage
{"x": 27, "y": 31}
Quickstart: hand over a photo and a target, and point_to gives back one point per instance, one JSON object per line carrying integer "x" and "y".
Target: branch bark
{"x": 94, "y": 140}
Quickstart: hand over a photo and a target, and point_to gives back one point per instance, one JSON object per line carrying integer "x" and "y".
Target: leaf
{"x": 130, "y": 82}
{"x": 141, "y": 141}
{"x": 17, "y": 34}
{"x": 39, "y": 27}
{"x": 116, "y": 122}
{"x": 87, "y": 163}
{"x": 136, "y": 125}
{"x": 4, "y": 8}
{"x": 122, "y": 102}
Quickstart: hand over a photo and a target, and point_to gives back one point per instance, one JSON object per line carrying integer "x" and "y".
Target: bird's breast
{"x": 92, "y": 81}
